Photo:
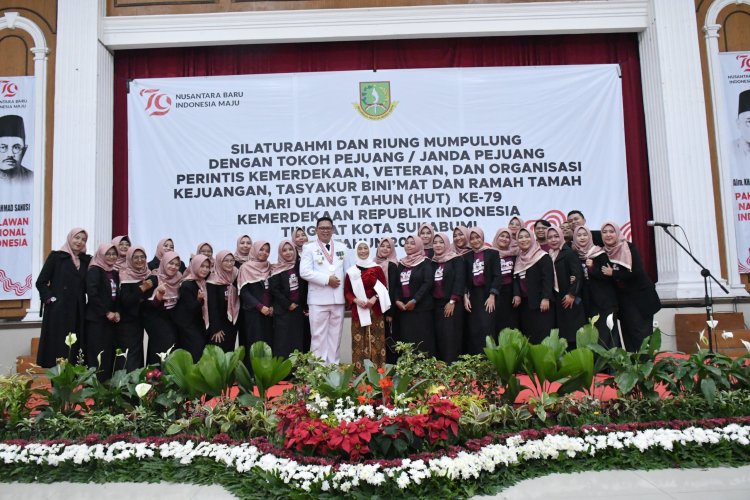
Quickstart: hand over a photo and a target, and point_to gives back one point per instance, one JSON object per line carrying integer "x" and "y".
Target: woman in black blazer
{"x": 636, "y": 294}
{"x": 223, "y": 302}
{"x": 482, "y": 285}
{"x": 62, "y": 291}
{"x": 136, "y": 286}
{"x": 386, "y": 258}
{"x": 414, "y": 297}
{"x": 447, "y": 293}
{"x": 506, "y": 315}
{"x": 568, "y": 285}
{"x": 102, "y": 310}
{"x": 289, "y": 304}
{"x": 534, "y": 275}
{"x": 599, "y": 294}
{"x": 191, "y": 311}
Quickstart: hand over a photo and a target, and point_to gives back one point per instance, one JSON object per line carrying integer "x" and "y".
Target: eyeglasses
{"x": 16, "y": 148}
{"x": 110, "y": 254}
{"x": 139, "y": 257}
{"x": 325, "y": 228}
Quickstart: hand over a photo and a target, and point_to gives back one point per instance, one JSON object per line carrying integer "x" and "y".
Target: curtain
{"x": 617, "y": 48}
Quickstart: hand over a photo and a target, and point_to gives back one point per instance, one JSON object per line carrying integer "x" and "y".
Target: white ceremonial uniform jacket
{"x": 315, "y": 269}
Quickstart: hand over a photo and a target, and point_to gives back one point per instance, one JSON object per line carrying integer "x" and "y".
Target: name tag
{"x": 265, "y": 284}
{"x": 293, "y": 282}
{"x": 478, "y": 267}
{"x": 405, "y": 277}
{"x": 439, "y": 273}
{"x": 506, "y": 266}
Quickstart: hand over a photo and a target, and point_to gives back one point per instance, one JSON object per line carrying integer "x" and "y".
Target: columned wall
{"x": 675, "y": 116}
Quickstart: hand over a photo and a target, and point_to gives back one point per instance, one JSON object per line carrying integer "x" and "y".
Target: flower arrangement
{"x": 472, "y": 462}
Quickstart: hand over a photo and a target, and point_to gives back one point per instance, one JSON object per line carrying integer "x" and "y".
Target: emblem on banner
{"x": 744, "y": 60}
{"x": 375, "y": 100}
{"x": 8, "y": 88}
{"x": 158, "y": 103}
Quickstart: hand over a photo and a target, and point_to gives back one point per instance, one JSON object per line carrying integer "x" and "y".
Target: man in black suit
{"x": 576, "y": 218}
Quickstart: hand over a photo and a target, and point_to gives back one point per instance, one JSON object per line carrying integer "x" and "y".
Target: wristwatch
{"x": 451, "y": 301}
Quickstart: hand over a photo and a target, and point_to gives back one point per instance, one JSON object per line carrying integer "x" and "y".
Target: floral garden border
{"x": 257, "y": 468}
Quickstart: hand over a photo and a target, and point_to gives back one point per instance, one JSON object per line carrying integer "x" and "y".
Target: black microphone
{"x": 652, "y": 223}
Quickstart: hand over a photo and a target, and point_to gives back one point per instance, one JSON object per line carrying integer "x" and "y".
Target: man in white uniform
{"x": 322, "y": 265}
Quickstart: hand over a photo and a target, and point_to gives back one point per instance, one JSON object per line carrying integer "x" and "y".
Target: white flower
{"x": 611, "y": 321}
{"x": 71, "y": 339}
{"x": 702, "y": 338}
{"x": 727, "y": 335}
{"x": 163, "y": 355}
{"x": 712, "y": 323}
{"x": 746, "y": 344}
{"x": 142, "y": 389}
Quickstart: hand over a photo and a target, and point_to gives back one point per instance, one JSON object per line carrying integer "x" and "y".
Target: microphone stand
{"x": 707, "y": 300}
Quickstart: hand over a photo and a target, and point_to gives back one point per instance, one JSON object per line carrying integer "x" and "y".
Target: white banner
{"x": 16, "y": 185}
{"x": 736, "y": 71}
{"x": 381, "y": 152}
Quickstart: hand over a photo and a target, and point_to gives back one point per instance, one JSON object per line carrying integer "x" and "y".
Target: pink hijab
{"x": 99, "y": 259}
{"x": 427, "y": 246}
{"x": 221, "y": 277}
{"x": 556, "y": 252}
{"x": 281, "y": 264}
{"x": 172, "y": 284}
{"x": 417, "y": 256}
{"x": 191, "y": 274}
{"x": 69, "y": 250}
{"x": 480, "y": 233}
{"x": 467, "y": 248}
{"x": 383, "y": 261}
{"x": 239, "y": 256}
{"x": 590, "y": 250}
{"x": 159, "y": 254}
{"x": 531, "y": 256}
{"x": 508, "y": 252}
{"x": 448, "y": 254}
{"x": 128, "y": 273}
{"x": 120, "y": 258}
{"x": 619, "y": 253}
{"x": 254, "y": 270}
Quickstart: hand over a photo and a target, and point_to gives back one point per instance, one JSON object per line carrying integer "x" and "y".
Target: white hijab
{"x": 355, "y": 278}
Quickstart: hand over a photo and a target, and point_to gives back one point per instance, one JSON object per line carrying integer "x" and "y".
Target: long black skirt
{"x": 416, "y": 327}
{"x": 636, "y": 325}
{"x": 100, "y": 346}
{"x": 568, "y": 321}
{"x": 257, "y": 327}
{"x": 506, "y": 316}
{"x": 481, "y": 323}
{"x": 162, "y": 334}
{"x": 289, "y": 332}
{"x": 129, "y": 338}
{"x": 536, "y": 324}
{"x": 192, "y": 338}
{"x": 449, "y": 332}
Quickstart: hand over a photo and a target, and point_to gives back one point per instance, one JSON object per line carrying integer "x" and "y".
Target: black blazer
{"x": 60, "y": 279}
{"x": 393, "y": 285}
{"x": 454, "y": 277}
{"x": 99, "y": 294}
{"x": 492, "y": 271}
{"x": 251, "y": 295}
{"x": 218, "y": 305}
{"x": 420, "y": 285}
{"x": 635, "y": 285}
{"x": 278, "y": 284}
{"x": 188, "y": 312}
{"x": 131, "y": 299}
{"x": 539, "y": 279}
{"x": 602, "y": 293}
{"x": 567, "y": 264}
